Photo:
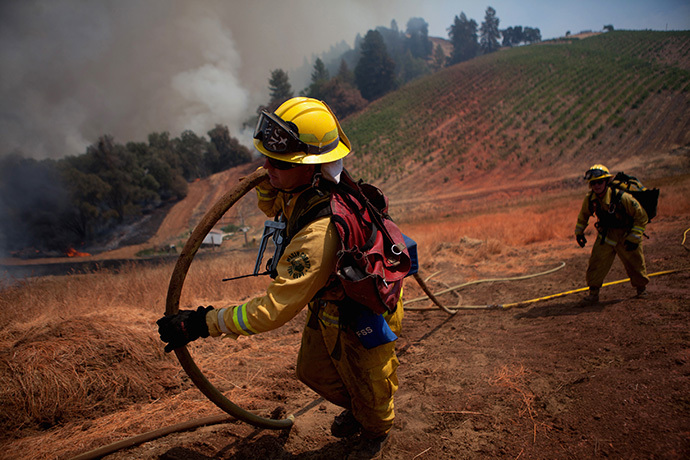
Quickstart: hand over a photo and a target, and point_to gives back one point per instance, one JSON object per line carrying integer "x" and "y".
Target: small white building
{"x": 214, "y": 238}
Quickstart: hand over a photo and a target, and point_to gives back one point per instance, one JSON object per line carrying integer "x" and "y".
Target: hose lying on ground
{"x": 528, "y": 302}
{"x": 172, "y": 306}
{"x": 144, "y": 437}
{"x": 449, "y": 310}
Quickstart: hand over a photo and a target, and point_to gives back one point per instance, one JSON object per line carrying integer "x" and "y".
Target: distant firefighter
{"x": 621, "y": 222}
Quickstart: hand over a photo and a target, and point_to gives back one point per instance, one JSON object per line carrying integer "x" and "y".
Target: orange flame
{"x": 71, "y": 252}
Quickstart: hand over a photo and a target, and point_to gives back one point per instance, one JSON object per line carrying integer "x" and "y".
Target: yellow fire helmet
{"x": 596, "y": 172}
{"x": 302, "y": 130}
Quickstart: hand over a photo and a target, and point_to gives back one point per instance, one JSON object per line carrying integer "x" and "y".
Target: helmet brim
{"x": 340, "y": 151}
{"x": 605, "y": 176}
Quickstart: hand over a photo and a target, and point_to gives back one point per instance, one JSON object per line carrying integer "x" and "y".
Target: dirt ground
{"x": 550, "y": 379}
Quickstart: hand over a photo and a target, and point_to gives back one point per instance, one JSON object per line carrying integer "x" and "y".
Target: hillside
{"x": 531, "y": 114}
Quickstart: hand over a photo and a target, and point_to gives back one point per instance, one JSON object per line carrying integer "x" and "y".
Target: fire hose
{"x": 523, "y": 303}
{"x": 454, "y": 310}
{"x": 172, "y": 303}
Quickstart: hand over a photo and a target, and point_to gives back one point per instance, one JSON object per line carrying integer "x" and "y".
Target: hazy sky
{"x": 73, "y": 70}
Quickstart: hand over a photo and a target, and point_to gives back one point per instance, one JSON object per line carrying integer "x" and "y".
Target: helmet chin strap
{"x": 316, "y": 179}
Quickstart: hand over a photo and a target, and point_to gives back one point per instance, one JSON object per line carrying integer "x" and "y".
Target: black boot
{"x": 345, "y": 425}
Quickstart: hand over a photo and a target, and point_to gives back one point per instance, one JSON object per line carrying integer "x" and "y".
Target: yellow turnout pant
{"x": 361, "y": 380}
{"x": 603, "y": 253}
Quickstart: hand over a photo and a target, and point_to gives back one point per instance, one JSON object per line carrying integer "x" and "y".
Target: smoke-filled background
{"x": 73, "y": 70}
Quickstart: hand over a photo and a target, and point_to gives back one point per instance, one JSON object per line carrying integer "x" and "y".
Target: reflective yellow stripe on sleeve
{"x": 330, "y": 320}
{"x": 265, "y": 195}
{"x": 239, "y": 318}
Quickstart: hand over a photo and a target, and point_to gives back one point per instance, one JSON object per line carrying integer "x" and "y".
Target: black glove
{"x": 581, "y": 240}
{"x": 629, "y": 245}
{"x": 184, "y": 327}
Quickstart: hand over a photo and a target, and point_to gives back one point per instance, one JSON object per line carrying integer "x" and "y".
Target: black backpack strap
{"x": 311, "y": 205}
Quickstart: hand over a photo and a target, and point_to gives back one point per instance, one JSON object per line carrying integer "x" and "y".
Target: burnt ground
{"x": 550, "y": 379}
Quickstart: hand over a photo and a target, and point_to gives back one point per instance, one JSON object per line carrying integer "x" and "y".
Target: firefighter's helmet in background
{"x": 302, "y": 130}
{"x": 596, "y": 172}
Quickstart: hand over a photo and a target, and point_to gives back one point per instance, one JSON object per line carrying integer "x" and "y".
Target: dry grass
{"x": 674, "y": 199}
{"x": 490, "y": 235}
{"x": 516, "y": 380}
{"x": 84, "y": 347}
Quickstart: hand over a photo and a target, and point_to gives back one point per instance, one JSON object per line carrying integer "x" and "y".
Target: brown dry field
{"x": 81, "y": 365}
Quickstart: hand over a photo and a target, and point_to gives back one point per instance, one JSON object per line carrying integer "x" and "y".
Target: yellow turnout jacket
{"x": 627, "y": 206}
{"x": 304, "y": 268}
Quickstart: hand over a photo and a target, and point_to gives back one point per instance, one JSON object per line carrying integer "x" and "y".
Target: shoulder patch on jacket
{"x": 299, "y": 264}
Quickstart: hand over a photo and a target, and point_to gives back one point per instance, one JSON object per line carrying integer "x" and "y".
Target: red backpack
{"x": 374, "y": 256}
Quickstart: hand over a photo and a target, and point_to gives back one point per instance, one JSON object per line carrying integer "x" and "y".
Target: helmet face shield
{"x": 597, "y": 172}
{"x": 594, "y": 174}
{"x": 277, "y": 136}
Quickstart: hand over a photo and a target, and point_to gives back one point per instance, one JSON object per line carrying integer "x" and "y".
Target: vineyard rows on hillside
{"x": 542, "y": 104}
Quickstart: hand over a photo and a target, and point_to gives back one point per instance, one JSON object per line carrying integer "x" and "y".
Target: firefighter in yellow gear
{"x": 621, "y": 222}
{"x": 300, "y": 140}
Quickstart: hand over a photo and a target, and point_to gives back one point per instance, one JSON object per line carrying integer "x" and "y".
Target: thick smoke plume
{"x": 75, "y": 70}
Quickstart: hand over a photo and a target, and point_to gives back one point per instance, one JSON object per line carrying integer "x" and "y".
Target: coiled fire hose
{"x": 172, "y": 303}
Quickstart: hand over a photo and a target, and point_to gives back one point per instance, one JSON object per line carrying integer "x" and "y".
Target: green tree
{"x": 320, "y": 73}
{"x": 463, "y": 36}
{"x": 375, "y": 71}
{"x": 151, "y": 179}
{"x": 512, "y": 36}
{"x": 167, "y": 167}
{"x": 87, "y": 192}
{"x": 279, "y": 87}
{"x": 345, "y": 75}
{"x": 488, "y": 32}
{"x": 191, "y": 150}
{"x": 319, "y": 77}
{"x": 230, "y": 152}
{"x": 418, "y": 42}
{"x": 118, "y": 168}
{"x": 439, "y": 59}
{"x": 531, "y": 35}
{"x": 343, "y": 98}
{"x": 394, "y": 41}
{"x": 413, "y": 67}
